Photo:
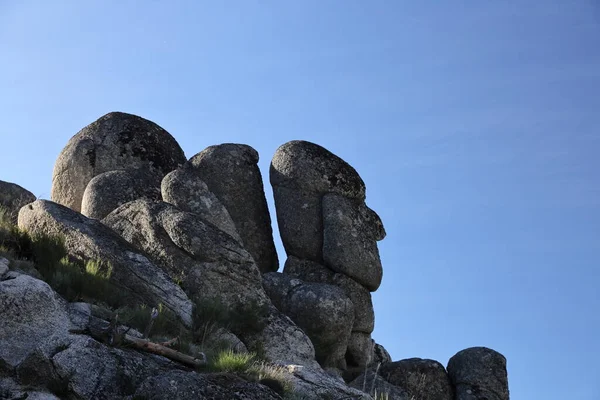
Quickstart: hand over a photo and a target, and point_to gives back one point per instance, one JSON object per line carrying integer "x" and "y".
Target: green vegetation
{"x": 72, "y": 279}
{"x": 46, "y": 256}
{"x": 229, "y": 361}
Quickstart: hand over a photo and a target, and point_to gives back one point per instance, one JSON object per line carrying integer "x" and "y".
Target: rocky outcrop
{"x": 479, "y": 373}
{"x": 174, "y": 231}
{"x": 328, "y": 232}
{"x": 109, "y": 190}
{"x": 88, "y": 239}
{"x": 323, "y": 311}
{"x": 114, "y": 141}
{"x": 210, "y": 265}
{"x": 184, "y": 189}
{"x": 231, "y": 173}
{"x": 12, "y": 198}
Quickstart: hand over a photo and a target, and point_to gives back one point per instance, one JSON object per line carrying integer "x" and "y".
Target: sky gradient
{"x": 475, "y": 126}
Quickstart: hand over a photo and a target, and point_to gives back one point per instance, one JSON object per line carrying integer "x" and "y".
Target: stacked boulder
{"x": 115, "y": 142}
{"x": 330, "y": 236}
{"x": 202, "y": 223}
{"x": 179, "y": 232}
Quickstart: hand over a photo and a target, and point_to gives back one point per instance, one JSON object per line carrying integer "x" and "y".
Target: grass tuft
{"x": 229, "y": 361}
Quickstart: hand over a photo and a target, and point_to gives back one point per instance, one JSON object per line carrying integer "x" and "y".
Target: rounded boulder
{"x": 115, "y": 141}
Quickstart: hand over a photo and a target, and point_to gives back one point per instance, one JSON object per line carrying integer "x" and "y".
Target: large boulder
{"x": 301, "y": 173}
{"x": 88, "y": 239}
{"x": 479, "y": 373}
{"x": 109, "y": 190}
{"x": 311, "y": 168}
{"x": 209, "y": 263}
{"x": 310, "y": 271}
{"x": 184, "y": 189}
{"x": 323, "y": 311}
{"x": 232, "y": 174}
{"x": 12, "y": 198}
{"x": 33, "y": 320}
{"x": 115, "y": 141}
{"x": 420, "y": 378}
{"x": 282, "y": 341}
{"x": 350, "y": 234}
{"x": 212, "y": 266}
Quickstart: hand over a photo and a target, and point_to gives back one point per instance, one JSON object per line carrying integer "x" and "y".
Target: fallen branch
{"x": 151, "y": 347}
{"x": 111, "y": 334}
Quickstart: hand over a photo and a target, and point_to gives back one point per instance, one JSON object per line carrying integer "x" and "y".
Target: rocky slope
{"x": 187, "y": 246}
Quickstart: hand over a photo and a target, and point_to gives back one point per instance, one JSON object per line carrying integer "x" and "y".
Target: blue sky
{"x": 475, "y": 125}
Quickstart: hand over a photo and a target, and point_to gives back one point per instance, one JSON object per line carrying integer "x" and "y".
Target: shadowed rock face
{"x": 87, "y": 239}
{"x": 231, "y": 172}
{"x": 115, "y": 141}
{"x": 420, "y": 378}
{"x": 310, "y": 271}
{"x": 12, "y": 198}
{"x": 323, "y": 311}
{"x": 211, "y": 265}
{"x": 479, "y": 373}
{"x": 184, "y": 385}
{"x": 209, "y": 262}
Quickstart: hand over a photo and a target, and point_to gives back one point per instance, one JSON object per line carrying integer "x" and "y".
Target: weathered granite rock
{"x": 184, "y": 189}
{"x": 350, "y": 235}
{"x": 420, "y": 378}
{"x": 184, "y": 385}
{"x": 314, "y": 383}
{"x": 33, "y": 318}
{"x": 231, "y": 173}
{"x": 479, "y": 373}
{"x": 115, "y": 141}
{"x": 300, "y": 222}
{"x": 95, "y": 371}
{"x": 311, "y": 168}
{"x": 360, "y": 349}
{"x": 310, "y": 271}
{"x": 12, "y": 198}
{"x": 380, "y": 354}
{"x": 209, "y": 263}
{"x": 372, "y": 383}
{"x": 87, "y": 239}
{"x": 282, "y": 341}
{"x": 323, "y": 311}
{"x": 109, "y": 190}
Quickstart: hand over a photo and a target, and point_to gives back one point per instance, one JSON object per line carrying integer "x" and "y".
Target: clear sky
{"x": 474, "y": 124}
